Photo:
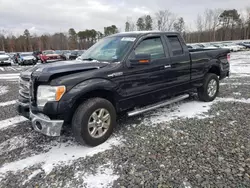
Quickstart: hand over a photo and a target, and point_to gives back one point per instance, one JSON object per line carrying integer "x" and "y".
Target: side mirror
{"x": 140, "y": 59}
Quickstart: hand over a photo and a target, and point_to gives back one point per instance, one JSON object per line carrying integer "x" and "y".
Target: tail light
{"x": 228, "y": 57}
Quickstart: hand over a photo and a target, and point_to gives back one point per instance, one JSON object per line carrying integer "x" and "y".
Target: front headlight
{"x": 49, "y": 93}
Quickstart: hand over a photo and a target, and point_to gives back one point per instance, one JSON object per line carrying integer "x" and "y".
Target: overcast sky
{"x": 43, "y": 16}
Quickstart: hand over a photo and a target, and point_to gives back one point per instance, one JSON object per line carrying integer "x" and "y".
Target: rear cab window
{"x": 175, "y": 44}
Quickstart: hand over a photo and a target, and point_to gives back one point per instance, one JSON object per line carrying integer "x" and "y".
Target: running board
{"x": 157, "y": 105}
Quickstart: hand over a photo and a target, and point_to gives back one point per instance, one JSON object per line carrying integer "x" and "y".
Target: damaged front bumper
{"x": 43, "y": 124}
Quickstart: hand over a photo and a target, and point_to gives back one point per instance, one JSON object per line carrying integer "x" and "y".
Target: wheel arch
{"x": 90, "y": 89}
{"x": 214, "y": 67}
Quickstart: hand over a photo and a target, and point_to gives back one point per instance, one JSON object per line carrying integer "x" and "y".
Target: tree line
{"x": 212, "y": 25}
{"x": 70, "y": 40}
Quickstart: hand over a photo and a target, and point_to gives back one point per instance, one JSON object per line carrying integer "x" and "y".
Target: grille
{"x": 24, "y": 87}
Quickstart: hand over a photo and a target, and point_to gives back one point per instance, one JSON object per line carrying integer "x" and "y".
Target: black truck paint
{"x": 125, "y": 84}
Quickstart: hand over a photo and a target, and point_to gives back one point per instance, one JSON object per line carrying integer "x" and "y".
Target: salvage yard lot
{"x": 189, "y": 144}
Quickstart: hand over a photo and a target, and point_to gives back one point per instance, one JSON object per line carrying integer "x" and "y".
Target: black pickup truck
{"x": 129, "y": 72}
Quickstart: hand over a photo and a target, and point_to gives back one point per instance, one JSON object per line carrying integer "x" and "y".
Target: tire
{"x": 83, "y": 115}
{"x": 203, "y": 91}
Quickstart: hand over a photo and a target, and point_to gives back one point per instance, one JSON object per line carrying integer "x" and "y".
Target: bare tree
{"x": 165, "y": 20}
{"x": 200, "y": 26}
{"x": 247, "y": 22}
{"x": 208, "y": 23}
{"x": 215, "y": 21}
{"x": 132, "y": 26}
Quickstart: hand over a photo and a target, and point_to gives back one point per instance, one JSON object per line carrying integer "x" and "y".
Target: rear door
{"x": 178, "y": 72}
{"x": 144, "y": 83}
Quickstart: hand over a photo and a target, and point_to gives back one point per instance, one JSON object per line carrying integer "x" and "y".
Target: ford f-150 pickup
{"x": 129, "y": 73}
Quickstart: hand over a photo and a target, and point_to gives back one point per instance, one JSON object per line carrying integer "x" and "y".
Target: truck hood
{"x": 44, "y": 71}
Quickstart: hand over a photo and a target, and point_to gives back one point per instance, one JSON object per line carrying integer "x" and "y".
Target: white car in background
{"x": 5, "y": 59}
{"x": 233, "y": 47}
{"x": 195, "y": 46}
{"x": 208, "y": 46}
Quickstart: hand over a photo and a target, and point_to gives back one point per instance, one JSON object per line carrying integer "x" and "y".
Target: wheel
{"x": 210, "y": 88}
{"x": 93, "y": 121}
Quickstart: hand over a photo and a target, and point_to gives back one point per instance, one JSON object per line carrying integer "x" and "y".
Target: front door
{"x": 144, "y": 83}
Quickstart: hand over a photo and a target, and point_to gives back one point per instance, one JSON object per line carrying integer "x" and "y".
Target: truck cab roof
{"x": 140, "y": 33}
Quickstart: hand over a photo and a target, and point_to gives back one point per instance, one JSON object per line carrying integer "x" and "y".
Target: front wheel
{"x": 210, "y": 88}
{"x": 93, "y": 121}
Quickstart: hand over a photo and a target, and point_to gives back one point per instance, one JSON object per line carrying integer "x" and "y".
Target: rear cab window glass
{"x": 175, "y": 44}
{"x": 152, "y": 46}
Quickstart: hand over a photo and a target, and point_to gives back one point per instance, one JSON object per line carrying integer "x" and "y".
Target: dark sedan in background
{"x": 76, "y": 54}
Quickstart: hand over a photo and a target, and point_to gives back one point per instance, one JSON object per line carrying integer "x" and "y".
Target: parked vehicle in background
{"x": 49, "y": 56}
{"x": 208, "y": 46}
{"x": 245, "y": 44}
{"x": 13, "y": 56}
{"x": 233, "y": 47}
{"x": 131, "y": 72}
{"x": 26, "y": 58}
{"x": 66, "y": 53}
{"x": 62, "y": 54}
{"x": 196, "y": 46}
{"x": 5, "y": 59}
{"x": 75, "y": 54}
{"x": 37, "y": 55}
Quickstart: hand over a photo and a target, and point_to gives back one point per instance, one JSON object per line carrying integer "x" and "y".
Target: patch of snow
{"x": 232, "y": 122}
{"x": 234, "y": 84}
{"x": 184, "y": 110}
{"x": 240, "y": 66}
{"x": 4, "y": 90}
{"x": 8, "y": 103}
{"x": 233, "y": 100}
{"x": 192, "y": 109}
{"x": 104, "y": 177}
{"x": 236, "y": 93}
{"x": 9, "y": 76}
{"x": 187, "y": 184}
{"x": 63, "y": 153}
{"x": 34, "y": 174}
{"x": 240, "y": 75}
{"x": 12, "y": 143}
{"x": 11, "y": 122}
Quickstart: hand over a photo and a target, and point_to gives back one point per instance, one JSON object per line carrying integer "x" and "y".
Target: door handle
{"x": 167, "y": 66}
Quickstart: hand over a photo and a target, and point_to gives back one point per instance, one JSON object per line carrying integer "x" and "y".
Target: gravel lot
{"x": 189, "y": 144}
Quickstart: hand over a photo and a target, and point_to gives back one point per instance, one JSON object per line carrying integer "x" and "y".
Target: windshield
{"x": 26, "y": 54}
{"x": 109, "y": 49}
{"x": 2, "y": 53}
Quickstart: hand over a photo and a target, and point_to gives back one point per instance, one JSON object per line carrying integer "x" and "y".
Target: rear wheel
{"x": 210, "y": 88}
{"x": 93, "y": 121}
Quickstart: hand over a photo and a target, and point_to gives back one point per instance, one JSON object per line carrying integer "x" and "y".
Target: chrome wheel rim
{"x": 99, "y": 123}
{"x": 212, "y": 88}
